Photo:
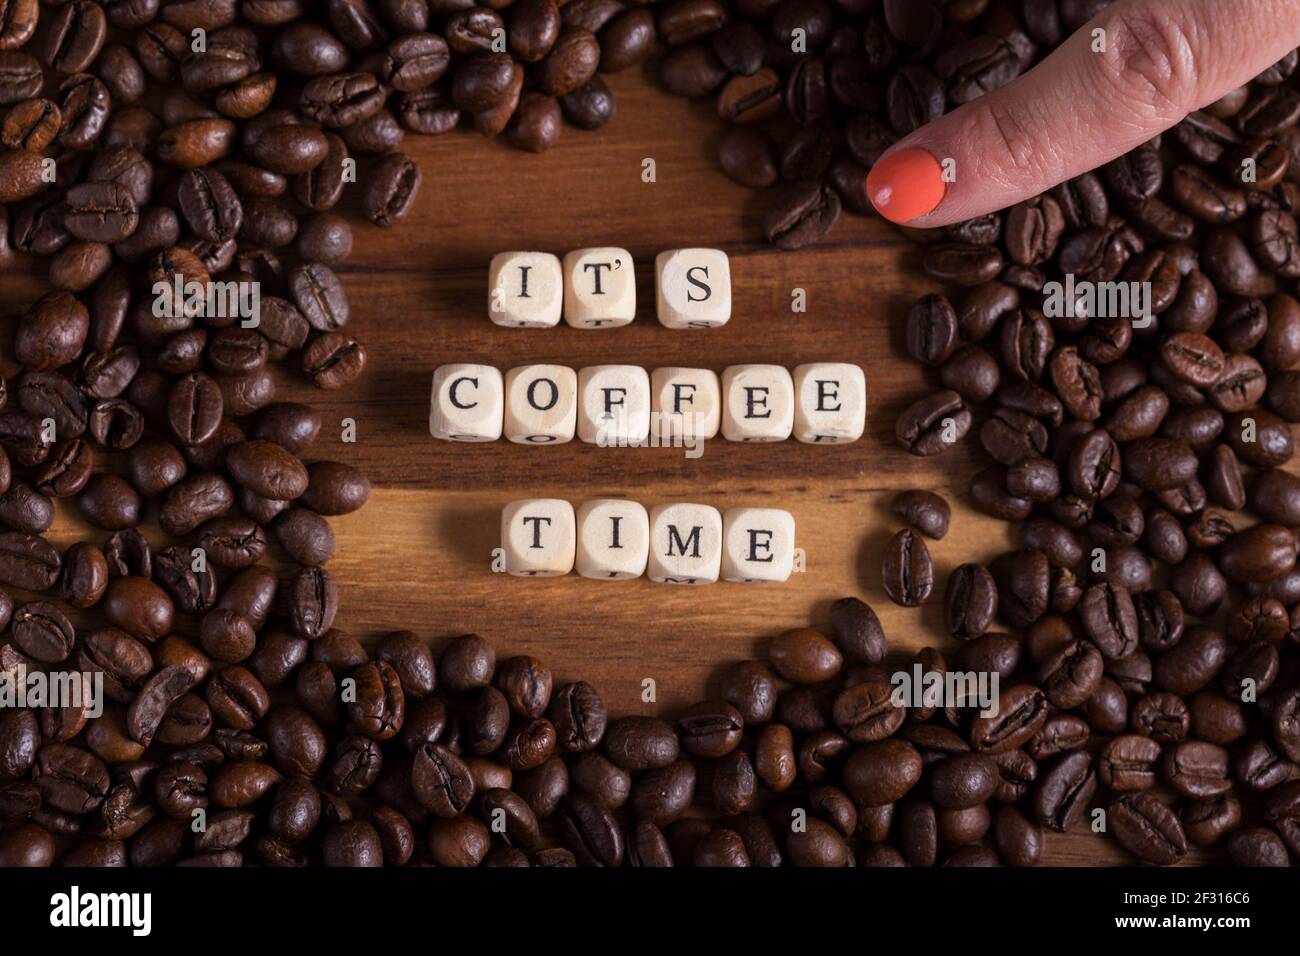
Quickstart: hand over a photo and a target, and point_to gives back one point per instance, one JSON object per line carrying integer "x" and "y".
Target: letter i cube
{"x": 525, "y": 290}
{"x": 613, "y": 539}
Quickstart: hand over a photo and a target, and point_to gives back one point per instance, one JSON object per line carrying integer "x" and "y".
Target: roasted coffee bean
{"x": 1260, "y": 553}
{"x": 1129, "y": 762}
{"x": 1147, "y": 829}
{"x": 802, "y": 213}
{"x": 1022, "y": 710}
{"x": 1063, "y": 791}
{"x": 970, "y": 601}
{"x": 333, "y": 360}
{"x": 804, "y": 656}
{"x": 907, "y": 570}
{"x": 392, "y": 190}
{"x": 931, "y": 330}
{"x": 867, "y": 712}
{"x": 640, "y": 743}
{"x": 932, "y": 425}
{"x": 1023, "y": 580}
{"x": 882, "y": 772}
{"x": 341, "y": 99}
{"x": 1071, "y": 675}
{"x": 963, "y": 264}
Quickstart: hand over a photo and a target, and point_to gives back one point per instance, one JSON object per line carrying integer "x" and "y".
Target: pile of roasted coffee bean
{"x": 1146, "y": 456}
{"x": 309, "y": 751}
{"x": 369, "y": 71}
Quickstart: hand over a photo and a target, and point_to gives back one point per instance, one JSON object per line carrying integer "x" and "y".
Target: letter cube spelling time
{"x": 830, "y": 402}
{"x": 599, "y": 288}
{"x": 525, "y": 290}
{"x": 757, "y": 545}
{"x": 541, "y": 404}
{"x": 692, "y": 288}
{"x": 613, "y": 539}
{"x": 468, "y": 403}
{"x": 757, "y": 403}
{"x": 613, "y": 405}
{"x": 685, "y": 544}
{"x": 538, "y": 536}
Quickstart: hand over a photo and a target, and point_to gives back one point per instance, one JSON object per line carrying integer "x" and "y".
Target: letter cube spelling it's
{"x": 685, "y": 544}
{"x": 687, "y": 400}
{"x": 613, "y": 539}
{"x": 468, "y": 403}
{"x": 830, "y": 402}
{"x": 692, "y": 288}
{"x": 613, "y": 405}
{"x": 757, "y": 403}
{"x": 538, "y": 536}
{"x": 525, "y": 289}
{"x": 599, "y": 288}
{"x": 541, "y": 404}
{"x": 757, "y": 544}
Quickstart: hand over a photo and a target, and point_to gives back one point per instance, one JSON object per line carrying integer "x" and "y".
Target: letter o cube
{"x": 541, "y": 404}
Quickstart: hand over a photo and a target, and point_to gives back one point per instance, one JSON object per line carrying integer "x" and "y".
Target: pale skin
{"x": 1098, "y": 96}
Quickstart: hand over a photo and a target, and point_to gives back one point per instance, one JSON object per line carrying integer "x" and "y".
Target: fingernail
{"x": 906, "y": 184}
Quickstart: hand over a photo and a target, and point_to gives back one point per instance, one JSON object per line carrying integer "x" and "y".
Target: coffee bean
{"x": 392, "y": 190}
{"x": 1147, "y": 829}
{"x": 637, "y": 743}
{"x": 934, "y": 424}
{"x": 333, "y": 360}
{"x": 907, "y": 571}
{"x": 804, "y": 656}
{"x": 802, "y": 213}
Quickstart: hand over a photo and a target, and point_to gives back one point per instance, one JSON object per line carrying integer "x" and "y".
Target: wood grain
{"x": 418, "y": 555}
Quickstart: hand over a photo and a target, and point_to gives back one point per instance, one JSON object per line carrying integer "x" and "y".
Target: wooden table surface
{"x": 418, "y": 555}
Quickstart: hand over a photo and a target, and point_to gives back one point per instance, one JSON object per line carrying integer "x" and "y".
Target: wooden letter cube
{"x": 541, "y": 404}
{"x": 468, "y": 403}
{"x": 525, "y": 290}
{"x": 757, "y": 403}
{"x": 614, "y": 405}
{"x": 685, "y": 544}
{"x": 539, "y": 537}
{"x": 831, "y": 402}
{"x": 687, "y": 400}
{"x": 693, "y": 288}
{"x": 613, "y": 539}
{"x": 599, "y": 288}
{"x": 757, "y": 544}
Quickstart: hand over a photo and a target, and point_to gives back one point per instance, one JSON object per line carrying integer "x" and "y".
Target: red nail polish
{"x": 906, "y": 184}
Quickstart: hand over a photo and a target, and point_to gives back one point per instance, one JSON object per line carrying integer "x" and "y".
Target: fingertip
{"x": 906, "y": 184}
